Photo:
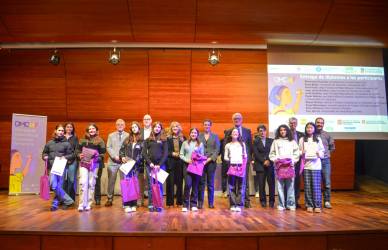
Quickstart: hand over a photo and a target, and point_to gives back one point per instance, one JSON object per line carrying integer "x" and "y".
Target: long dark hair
{"x": 239, "y": 138}
{"x": 161, "y": 136}
{"x": 315, "y": 137}
{"x": 72, "y": 124}
{"x": 132, "y": 136}
{"x": 288, "y": 132}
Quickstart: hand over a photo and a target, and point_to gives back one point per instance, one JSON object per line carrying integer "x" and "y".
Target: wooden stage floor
{"x": 358, "y": 220}
{"x": 352, "y": 212}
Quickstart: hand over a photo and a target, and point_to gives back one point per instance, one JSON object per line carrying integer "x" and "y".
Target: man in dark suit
{"x": 293, "y": 123}
{"x": 247, "y": 139}
{"x": 263, "y": 166}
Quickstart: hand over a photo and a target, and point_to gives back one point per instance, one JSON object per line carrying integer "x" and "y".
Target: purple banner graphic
{"x": 28, "y": 140}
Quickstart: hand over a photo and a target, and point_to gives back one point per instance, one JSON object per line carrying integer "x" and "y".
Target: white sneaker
{"x": 194, "y": 209}
{"x": 281, "y": 208}
{"x": 238, "y": 209}
{"x": 127, "y": 209}
{"x": 225, "y": 194}
{"x": 233, "y": 209}
{"x": 257, "y": 195}
{"x": 184, "y": 209}
{"x": 80, "y": 208}
{"x": 87, "y": 208}
{"x": 292, "y": 208}
{"x": 133, "y": 209}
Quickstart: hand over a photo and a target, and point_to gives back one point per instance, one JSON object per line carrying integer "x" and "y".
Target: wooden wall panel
{"x": 169, "y": 85}
{"x": 293, "y": 243}
{"x": 237, "y": 84}
{"x": 151, "y": 243}
{"x": 76, "y": 242}
{"x": 343, "y": 164}
{"x": 97, "y": 90}
{"x": 221, "y": 243}
{"x": 29, "y": 84}
{"x": 358, "y": 241}
{"x": 19, "y": 242}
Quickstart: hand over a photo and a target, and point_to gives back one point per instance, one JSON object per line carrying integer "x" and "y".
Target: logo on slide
{"x": 26, "y": 124}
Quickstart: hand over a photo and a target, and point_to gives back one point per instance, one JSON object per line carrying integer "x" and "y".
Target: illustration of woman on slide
{"x": 281, "y": 96}
{"x": 17, "y": 173}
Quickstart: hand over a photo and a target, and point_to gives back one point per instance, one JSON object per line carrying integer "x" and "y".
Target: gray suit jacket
{"x": 212, "y": 145}
{"x": 114, "y": 144}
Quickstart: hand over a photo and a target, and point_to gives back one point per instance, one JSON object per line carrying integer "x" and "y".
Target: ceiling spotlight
{"x": 114, "y": 56}
{"x": 214, "y": 57}
{"x": 54, "y": 58}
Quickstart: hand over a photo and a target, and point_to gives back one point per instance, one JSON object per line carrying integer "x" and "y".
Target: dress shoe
{"x": 298, "y": 206}
{"x": 52, "y": 209}
{"x": 263, "y": 204}
{"x": 211, "y": 206}
{"x": 272, "y": 204}
{"x": 151, "y": 209}
{"x": 200, "y": 205}
{"x": 66, "y": 207}
{"x": 98, "y": 202}
{"x": 108, "y": 203}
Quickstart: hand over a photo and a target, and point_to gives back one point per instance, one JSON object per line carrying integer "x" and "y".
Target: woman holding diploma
{"x": 155, "y": 153}
{"x": 58, "y": 148}
{"x": 91, "y": 150}
{"x": 312, "y": 151}
{"x": 131, "y": 150}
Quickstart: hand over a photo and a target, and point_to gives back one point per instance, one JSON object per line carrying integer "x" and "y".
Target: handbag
{"x": 130, "y": 190}
{"x": 44, "y": 192}
{"x": 238, "y": 170}
{"x": 197, "y": 164}
{"x": 284, "y": 169}
{"x": 157, "y": 200}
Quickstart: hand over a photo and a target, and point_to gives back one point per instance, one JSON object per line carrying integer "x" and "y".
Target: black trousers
{"x": 207, "y": 178}
{"x": 235, "y": 190}
{"x": 224, "y": 176}
{"x": 97, "y": 190}
{"x": 266, "y": 176}
{"x": 245, "y": 186}
{"x": 175, "y": 178}
{"x": 297, "y": 183}
{"x": 191, "y": 188}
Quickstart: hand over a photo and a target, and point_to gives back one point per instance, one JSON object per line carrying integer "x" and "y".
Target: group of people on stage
{"x": 192, "y": 161}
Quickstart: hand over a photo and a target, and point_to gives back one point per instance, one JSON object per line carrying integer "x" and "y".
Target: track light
{"x": 114, "y": 56}
{"x": 54, "y": 58}
{"x": 214, "y": 57}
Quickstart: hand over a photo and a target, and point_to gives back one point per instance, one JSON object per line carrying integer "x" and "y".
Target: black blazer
{"x": 261, "y": 153}
{"x": 246, "y": 137}
{"x": 298, "y": 136}
{"x": 170, "y": 144}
